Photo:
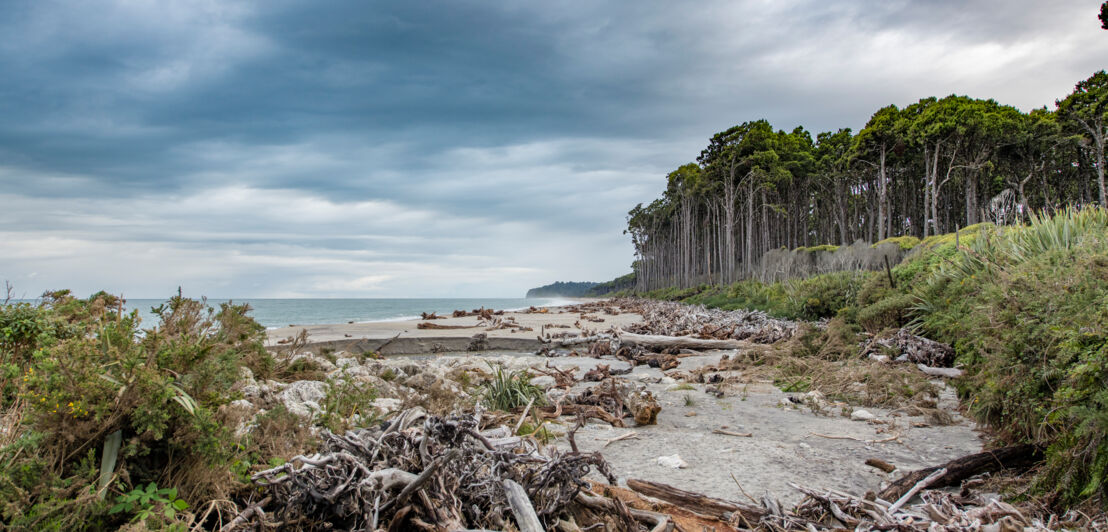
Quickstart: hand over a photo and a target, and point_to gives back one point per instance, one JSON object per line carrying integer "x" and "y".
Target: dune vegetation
{"x": 1025, "y": 308}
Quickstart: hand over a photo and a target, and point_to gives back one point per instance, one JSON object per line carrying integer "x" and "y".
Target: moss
{"x": 830, "y": 248}
{"x": 905, "y": 243}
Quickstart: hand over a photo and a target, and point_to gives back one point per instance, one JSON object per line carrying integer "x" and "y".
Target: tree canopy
{"x": 927, "y": 168}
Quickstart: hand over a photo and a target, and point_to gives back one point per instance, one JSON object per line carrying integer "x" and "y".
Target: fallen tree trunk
{"x": 950, "y": 373}
{"x": 680, "y": 342}
{"x": 696, "y": 502}
{"x": 965, "y": 467}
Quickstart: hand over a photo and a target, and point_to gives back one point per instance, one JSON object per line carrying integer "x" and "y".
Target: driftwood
{"x": 652, "y": 341}
{"x": 431, "y": 316}
{"x": 949, "y": 373}
{"x": 701, "y": 504}
{"x": 880, "y": 464}
{"x": 429, "y": 325}
{"x": 965, "y": 467}
{"x": 420, "y": 470}
{"x": 524, "y": 513}
{"x": 677, "y": 319}
{"x": 927, "y": 481}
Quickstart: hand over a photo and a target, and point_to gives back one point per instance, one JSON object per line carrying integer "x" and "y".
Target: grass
{"x": 507, "y": 390}
{"x": 689, "y": 400}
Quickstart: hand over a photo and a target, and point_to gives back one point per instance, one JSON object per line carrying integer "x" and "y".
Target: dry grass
{"x": 854, "y": 381}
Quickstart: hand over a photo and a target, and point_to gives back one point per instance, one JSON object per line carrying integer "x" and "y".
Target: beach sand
{"x": 411, "y": 339}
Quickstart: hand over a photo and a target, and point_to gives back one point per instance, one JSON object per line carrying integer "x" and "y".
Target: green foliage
{"x": 823, "y": 296}
{"x": 888, "y": 312}
{"x": 562, "y": 289}
{"x": 145, "y": 502}
{"x": 508, "y": 390}
{"x": 623, "y": 283}
{"x": 348, "y": 403}
{"x": 79, "y": 369}
{"x": 1024, "y": 310}
{"x": 905, "y": 243}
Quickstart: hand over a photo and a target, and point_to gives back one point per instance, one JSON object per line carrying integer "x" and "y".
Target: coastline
{"x": 508, "y": 330}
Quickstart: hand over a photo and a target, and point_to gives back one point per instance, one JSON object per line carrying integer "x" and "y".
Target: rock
{"x": 673, "y": 461}
{"x": 303, "y": 397}
{"x": 668, "y": 380}
{"x": 323, "y": 363}
{"x": 387, "y": 405}
{"x": 346, "y": 362}
{"x": 862, "y": 415}
{"x": 544, "y": 381}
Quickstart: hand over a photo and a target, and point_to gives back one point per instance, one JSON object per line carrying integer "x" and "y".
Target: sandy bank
{"x": 360, "y": 337}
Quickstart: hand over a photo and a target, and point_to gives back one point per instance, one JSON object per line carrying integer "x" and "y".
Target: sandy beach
{"x": 405, "y": 337}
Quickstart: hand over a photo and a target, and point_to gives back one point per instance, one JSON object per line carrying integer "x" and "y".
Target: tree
{"x": 1104, "y": 15}
{"x": 873, "y": 146}
{"x": 1085, "y": 111}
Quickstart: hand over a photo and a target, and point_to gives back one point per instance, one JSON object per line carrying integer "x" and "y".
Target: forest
{"x": 928, "y": 168}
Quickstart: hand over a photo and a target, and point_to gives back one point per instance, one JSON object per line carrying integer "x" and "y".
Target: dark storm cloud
{"x": 315, "y": 143}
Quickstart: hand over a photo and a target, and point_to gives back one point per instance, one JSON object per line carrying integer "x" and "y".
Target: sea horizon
{"x": 274, "y": 313}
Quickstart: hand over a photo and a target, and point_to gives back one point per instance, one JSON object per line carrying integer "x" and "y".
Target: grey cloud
{"x": 480, "y": 133}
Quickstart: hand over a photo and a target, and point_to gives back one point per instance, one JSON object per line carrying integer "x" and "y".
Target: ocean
{"x": 274, "y": 313}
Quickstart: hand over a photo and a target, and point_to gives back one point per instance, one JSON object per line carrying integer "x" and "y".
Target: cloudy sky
{"x": 295, "y": 148}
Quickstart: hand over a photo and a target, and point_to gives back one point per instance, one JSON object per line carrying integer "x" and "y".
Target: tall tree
{"x": 1085, "y": 111}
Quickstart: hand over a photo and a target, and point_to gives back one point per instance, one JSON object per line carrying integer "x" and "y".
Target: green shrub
{"x": 82, "y": 370}
{"x": 891, "y": 311}
{"x": 824, "y": 295}
{"x": 508, "y": 390}
{"x": 1024, "y": 309}
{"x": 348, "y": 403}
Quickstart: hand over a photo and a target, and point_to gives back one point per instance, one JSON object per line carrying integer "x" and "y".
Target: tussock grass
{"x": 507, "y": 390}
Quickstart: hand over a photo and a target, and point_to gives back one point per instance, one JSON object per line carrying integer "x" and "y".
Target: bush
{"x": 83, "y": 370}
{"x": 823, "y": 296}
{"x": 891, "y": 311}
{"x": 1024, "y": 309}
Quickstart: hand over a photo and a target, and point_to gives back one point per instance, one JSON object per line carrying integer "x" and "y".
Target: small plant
{"x": 508, "y": 390}
{"x": 346, "y": 404}
{"x": 145, "y": 502}
{"x": 388, "y": 375}
{"x": 689, "y": 401}
{"x": 682, "y": 387}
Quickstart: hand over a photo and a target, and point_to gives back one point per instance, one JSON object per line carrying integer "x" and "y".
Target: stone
{"x": 674, "y": 461}
{"x": 544, "y": 381}
{"x": 862, "y": 415}
{"x": 387, "y": 405}
{"x": 303, "y": 397}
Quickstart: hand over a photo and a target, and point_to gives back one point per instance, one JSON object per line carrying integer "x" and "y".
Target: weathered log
{"x": 661, "y": 522}
{"x": 662, "y": 342}
{"x": 429, "y": 325}
{"x": 916, "y": 488}
{"x": 526, "y": 518}
{"x": 880, "y": 464}
{"x": 643, "y": 406}
{"x": 696, "y": 502}
{"x": 965, "y": 467}
{"x": 950, "y": 373}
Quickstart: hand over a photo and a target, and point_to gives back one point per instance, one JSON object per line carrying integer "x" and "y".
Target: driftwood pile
{"x": 911, "y": 348}
{"x": 423, "y": 472}
{"x": 678, "y": 319}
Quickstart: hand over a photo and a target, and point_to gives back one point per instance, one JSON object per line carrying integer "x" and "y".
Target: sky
{"x": 296, "y": 148}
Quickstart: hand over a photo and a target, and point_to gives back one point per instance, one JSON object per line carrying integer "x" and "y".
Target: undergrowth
{"x": 1025, "y": 308}
{"x": 94, "y": 408}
